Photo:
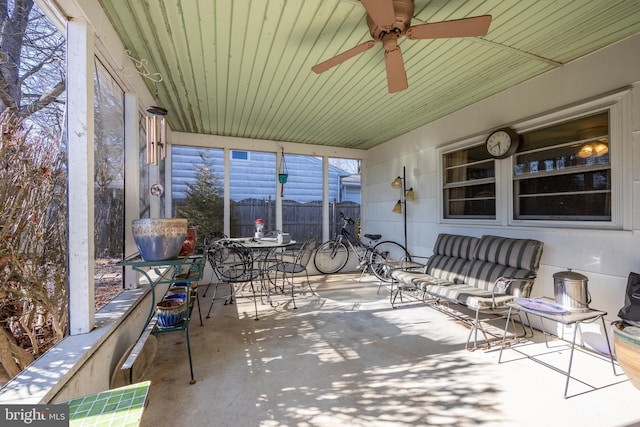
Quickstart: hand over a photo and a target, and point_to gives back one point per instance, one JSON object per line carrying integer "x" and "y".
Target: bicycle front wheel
{"x": 331, "y": 257}
{"x": 383, "y": 254}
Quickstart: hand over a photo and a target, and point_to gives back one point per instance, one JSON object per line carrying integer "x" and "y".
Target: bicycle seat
{"x": 373, "y": 237}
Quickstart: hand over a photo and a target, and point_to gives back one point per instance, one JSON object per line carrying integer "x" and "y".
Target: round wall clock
{"x": 502, "y": 143}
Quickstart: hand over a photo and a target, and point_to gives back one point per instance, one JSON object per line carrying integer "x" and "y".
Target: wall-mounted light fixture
{"x": 400, "y": 183}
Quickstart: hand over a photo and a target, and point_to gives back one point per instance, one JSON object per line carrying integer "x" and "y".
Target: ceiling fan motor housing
{"x": 403, "y": 11}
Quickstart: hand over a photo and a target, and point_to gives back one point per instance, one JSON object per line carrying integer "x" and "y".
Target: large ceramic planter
{"x": 159, "y": 239}
{"x": 626, "y": 341}
{"x": 170, "y": 312}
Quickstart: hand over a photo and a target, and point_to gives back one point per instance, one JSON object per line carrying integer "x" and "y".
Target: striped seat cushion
{"x": 417, "y": 280}
{"x": 424, "y": 282}
{"x": 470, "y": 296}
{"x": 406, "y": 277}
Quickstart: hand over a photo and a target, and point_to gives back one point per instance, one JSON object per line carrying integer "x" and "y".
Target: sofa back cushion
{"x": 456, "y": 246}
{"x": 451, "y": 257}
{"x": 518, "y": 253}
{"x": 497, "y": 257}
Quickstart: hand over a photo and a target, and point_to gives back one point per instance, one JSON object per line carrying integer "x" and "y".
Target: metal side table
{"x": 184, "y": 269}
{"x": 565, "y": 318}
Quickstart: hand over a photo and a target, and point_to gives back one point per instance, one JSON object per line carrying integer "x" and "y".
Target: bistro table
{"x": 265, "y": 252}
{"x": 263, "y": 244}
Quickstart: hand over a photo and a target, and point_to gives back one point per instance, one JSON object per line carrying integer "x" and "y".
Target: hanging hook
{"x": 141, "y": 67}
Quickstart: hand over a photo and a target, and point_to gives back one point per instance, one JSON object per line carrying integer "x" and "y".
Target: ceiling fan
{"x": 389, "y": 20}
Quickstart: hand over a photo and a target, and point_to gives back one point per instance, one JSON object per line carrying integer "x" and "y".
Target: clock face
{"x": 502, "y": 143}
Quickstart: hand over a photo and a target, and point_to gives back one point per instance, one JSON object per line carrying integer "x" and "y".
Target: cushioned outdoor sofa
{"x": 482, "y": 274}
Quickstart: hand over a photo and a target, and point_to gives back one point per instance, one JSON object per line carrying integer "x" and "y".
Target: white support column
{"x": 325, "y": 199}
{"x": 279, "y": 158}
{"x": 168, "y": 177}
{"x": 131, "y": 175}
{"x": 80, "y": 131}
{"x": 227, "y": 192}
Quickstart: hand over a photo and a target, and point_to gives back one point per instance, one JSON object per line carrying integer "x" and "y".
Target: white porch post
{"x": 227, "y": 193}
{"x": 132, "y": 175}
{"x": 279, "y": 158}
{"x": 80, "y": 163}
{"x": 326, "y": 232}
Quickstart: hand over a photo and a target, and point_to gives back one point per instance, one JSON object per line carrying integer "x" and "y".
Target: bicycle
{"x": 333, "y": 255}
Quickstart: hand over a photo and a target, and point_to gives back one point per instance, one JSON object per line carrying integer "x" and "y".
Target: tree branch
{"x": 34, "y": 69}
{"x": 46, "y": 99}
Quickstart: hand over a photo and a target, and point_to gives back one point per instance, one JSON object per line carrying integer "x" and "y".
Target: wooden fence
{"x": 301, "y": 220}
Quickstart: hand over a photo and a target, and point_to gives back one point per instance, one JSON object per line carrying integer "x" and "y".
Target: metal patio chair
{"x": 299, "y": 264}
{"x": 233, "y": 264}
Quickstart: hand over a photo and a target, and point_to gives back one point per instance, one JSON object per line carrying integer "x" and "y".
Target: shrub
{"x": 33, "y": 250}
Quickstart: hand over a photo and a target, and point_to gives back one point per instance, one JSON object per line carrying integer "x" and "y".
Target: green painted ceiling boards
{"x": 243, "y": 67}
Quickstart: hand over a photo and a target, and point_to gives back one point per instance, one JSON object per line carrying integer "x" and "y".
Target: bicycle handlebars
{"x": 347, "y": 219}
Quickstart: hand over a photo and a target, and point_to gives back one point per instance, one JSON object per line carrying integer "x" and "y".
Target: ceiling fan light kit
{"x": 388, "y": 20}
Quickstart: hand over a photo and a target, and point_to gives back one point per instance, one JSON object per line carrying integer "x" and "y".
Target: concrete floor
{"x": 346, "y": 358}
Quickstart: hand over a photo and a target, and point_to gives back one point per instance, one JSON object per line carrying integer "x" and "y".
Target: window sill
{"x": 43, "y": 380}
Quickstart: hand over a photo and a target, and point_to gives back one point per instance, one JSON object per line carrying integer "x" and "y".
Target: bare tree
{"x": 31, "y": 65}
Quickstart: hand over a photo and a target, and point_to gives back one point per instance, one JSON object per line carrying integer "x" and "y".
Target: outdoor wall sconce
{"x": 400, "y": 183}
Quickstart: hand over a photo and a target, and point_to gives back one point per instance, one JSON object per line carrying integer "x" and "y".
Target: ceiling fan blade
{"x": 339, "y": 59}
{"x": 466, "y": 27}
{"x": 396, "y": 74}
{"x": 381, "y": 12}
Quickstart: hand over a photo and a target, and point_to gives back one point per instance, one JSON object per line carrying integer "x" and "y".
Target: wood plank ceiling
{"x": 243, "y": 67}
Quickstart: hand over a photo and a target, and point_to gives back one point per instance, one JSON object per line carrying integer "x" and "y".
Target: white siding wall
{"x": 605, "y": 257}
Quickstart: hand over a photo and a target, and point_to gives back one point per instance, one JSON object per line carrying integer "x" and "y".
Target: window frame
{"x": 551, "y": 173}
{"x": 467, "y": 144}
{"x": 618, "y": 103}
{"x": 237, "y": 159}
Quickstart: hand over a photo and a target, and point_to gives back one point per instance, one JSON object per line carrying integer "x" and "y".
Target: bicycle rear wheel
{"x": 383, "y": 254}
{"x": 331, "y": 257}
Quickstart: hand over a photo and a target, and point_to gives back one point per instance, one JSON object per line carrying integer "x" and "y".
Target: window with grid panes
{"x": 563, "y": 172}
{"x": 469, "y": 185}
